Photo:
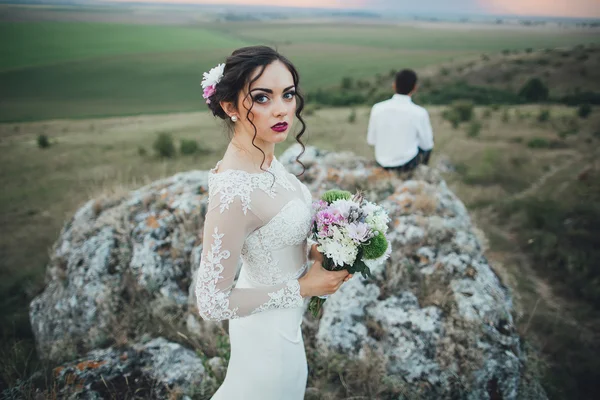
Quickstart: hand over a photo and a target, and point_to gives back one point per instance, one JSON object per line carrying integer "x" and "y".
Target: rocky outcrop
{"x": 152, "y": 370}
{"x": 120, "y": 281}
{"x": 436, "y": 310}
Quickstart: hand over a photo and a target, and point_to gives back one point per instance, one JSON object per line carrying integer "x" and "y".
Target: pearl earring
{"x": 234, "y": 118}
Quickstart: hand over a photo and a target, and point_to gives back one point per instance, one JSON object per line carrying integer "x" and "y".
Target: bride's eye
{"x": 289, "y": 95}
{"x": 261, "y": 98}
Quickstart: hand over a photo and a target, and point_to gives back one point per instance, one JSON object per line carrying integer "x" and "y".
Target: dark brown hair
{"x": 239, "y": 66}
{"x": 405, "y": 81}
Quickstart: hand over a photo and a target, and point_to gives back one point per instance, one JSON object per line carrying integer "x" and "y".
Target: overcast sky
{"x": 560, "y": 8}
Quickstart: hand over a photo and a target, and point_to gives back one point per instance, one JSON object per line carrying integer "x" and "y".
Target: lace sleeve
{"x": 225, "y": 230}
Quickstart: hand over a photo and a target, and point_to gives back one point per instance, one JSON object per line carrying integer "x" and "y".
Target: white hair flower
{"x": 211, "y": 78}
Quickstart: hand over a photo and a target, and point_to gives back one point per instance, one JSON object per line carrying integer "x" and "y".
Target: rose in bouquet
{"x": 350, "y": 232}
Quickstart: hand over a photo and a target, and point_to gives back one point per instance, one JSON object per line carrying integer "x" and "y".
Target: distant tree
{"x": 163, "y": 145}
{"x": 43, "y": 142}
{"x": 584, "y": 110}
{"x": 534, "y": 90}
{"x": 463, "y": 109}
{"x": 187, "y": 146}
{"x": 347, "y": 83}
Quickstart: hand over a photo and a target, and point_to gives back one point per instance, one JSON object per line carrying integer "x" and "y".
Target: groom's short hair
{"x": 405, "y": 81}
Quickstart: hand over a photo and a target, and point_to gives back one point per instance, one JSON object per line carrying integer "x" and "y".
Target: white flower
{"x": 212, "y": 77}
{"x": 344, "y": 206}
{"x": 379, "y": 221}
{"x": 370, "y": 208}
{"x": 340, "y": 248}
{"x": 338, "y": 252}
{"x": 359, "y": 231}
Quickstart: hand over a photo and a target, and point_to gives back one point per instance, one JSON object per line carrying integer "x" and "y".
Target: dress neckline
{"x": 270, "y": 169}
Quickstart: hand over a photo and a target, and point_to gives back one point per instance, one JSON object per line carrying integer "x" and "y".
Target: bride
{"x": 262, "y": 214}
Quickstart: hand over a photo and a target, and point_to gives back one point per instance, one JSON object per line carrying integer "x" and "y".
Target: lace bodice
{"x": 264, "y": 219}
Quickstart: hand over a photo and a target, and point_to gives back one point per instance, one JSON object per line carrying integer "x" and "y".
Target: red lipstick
{"x": 280, "y": 127}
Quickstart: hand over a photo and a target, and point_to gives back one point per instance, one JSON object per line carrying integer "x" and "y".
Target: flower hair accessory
{"x": 211, "y": 78}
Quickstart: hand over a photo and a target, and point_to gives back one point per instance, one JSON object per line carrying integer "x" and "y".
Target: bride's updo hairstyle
{"x": 239, "y": 67}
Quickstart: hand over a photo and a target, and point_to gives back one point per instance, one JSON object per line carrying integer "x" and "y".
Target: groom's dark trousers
{"x": 421, "y": 158}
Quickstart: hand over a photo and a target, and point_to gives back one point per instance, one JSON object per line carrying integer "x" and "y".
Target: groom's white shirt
{"x": 398, "y": 128}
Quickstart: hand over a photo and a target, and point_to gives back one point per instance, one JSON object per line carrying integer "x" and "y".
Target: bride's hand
{"x": 315, "y": 255}
{"x": 319, "y": 282}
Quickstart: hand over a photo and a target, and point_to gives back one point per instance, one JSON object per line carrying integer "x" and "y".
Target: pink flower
{"x": 208, "y": 91}
{"x": 325, "y": 219}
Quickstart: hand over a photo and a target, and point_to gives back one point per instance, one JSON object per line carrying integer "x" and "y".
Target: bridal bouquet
{"x": 350, "y": 232}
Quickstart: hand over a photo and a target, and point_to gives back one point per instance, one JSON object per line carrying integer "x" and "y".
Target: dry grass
{"x": 99, "y": 159}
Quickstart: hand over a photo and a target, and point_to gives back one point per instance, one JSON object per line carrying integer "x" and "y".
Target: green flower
{"x": 332, "y": 195}
{"x": 376, "y": 247}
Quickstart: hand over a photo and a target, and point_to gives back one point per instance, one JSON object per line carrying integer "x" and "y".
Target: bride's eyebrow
{"x": 270, "y": 91}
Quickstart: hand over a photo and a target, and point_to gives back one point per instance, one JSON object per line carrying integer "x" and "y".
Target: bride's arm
{"x": 225, "y": 230}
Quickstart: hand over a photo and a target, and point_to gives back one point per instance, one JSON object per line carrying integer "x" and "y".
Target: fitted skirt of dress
{"x": 268, "y": 359}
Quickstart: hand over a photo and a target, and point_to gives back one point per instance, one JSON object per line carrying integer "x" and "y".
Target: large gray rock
{"x": 120, "y": 263}
{"x": 142, "y": 371}
{"x": 122, "y": 273}
{"x": 436, "y": 310}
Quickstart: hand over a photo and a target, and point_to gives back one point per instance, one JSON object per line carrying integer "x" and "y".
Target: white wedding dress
{"x": 264, "y": 218}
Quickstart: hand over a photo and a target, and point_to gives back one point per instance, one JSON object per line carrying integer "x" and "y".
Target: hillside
{"x": 571, "y": 74}
{"x": 512, "y": 158}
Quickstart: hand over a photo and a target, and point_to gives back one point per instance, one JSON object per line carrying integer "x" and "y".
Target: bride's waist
{"x": 256, "y": 277}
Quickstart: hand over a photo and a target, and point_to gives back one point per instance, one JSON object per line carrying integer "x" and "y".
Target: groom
{"x": 399, "y": 129}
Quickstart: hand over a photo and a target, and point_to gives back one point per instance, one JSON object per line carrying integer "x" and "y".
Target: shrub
{"x": 142, "y": 151}
{"x": 584, "y": 110}
{"x": 452, "y": 116}
{"x": 528, "y": 50}
{"x": 538, "y": 143}
{"x": 463, "y": 110}
{"x": 581, "y": 98}
{"x": 474, "y": 129}
{"x": 481, "y": 95}
{"x": 534, "y": 90}
{"x": 544, "y": 115}
{"x": 352, "y": 117}
{"x": 347, "y": 83}
{"x": 487, "y": 113}
{"x": 188, "y": 147}
{"x": 568, "y": 126}
{"x": 43, "y": 142}
{"x": 163, "y": 145}
{"x": 505, "y": 115}
{"x": 543, "y": 61}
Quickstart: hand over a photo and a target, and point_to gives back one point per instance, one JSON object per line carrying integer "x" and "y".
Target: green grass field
{"x": 86, "y": 71}
{"x": 79, "y": 70}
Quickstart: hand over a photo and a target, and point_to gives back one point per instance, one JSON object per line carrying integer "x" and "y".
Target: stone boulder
{"x": 152, "y": 370}
{"x": 119, "y": 297}
{"x": 436, "y": 311}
